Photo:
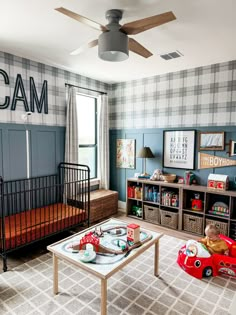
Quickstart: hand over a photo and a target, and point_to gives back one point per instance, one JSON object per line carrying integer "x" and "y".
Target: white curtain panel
{"x": 103, "y": 142}
{"x": 72, "y": 141}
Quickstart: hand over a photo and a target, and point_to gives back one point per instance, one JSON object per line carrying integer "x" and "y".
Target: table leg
{"x": 156, "y": 258}
{"x": 55, "y": 274}
{"x": 103, "y": 296}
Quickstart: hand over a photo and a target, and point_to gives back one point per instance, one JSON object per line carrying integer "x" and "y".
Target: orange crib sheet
{"x": 34, "y": 224}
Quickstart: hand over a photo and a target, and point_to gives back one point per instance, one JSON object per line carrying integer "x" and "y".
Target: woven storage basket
{"x": 169, "y": 219}
{"x": 223, "y": 227}
{"x": 193, "y": 223}
{"x": 151, "y": 214}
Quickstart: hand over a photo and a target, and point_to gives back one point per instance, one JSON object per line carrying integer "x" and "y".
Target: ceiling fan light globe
{"x": 113, "y": 46}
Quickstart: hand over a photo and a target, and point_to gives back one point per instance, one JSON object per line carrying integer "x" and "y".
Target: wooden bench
{"x": 103, "y": 204}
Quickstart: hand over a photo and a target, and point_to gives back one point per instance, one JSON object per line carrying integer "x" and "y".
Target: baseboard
{"x": 122, "y": 206}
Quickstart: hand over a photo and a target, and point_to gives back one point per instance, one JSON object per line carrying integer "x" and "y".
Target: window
{"x": 87, "y": 129}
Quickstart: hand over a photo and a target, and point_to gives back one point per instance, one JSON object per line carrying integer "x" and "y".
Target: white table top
{"x": 105, "y": 264}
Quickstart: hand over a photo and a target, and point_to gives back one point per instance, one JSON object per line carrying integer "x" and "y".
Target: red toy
{"x": 192, "y": 261}
{"x": 89, "y": 238}
{"x": 133, "y": 232}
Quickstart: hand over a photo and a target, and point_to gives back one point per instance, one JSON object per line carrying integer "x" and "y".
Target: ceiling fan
{"x": 114, "y": 43}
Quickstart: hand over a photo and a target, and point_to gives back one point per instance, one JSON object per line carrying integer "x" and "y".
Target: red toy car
{"x": 195, "y": 259}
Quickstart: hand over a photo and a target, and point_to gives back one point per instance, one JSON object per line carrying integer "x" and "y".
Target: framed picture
{"x": 232, "y": 148}
{"x": 179, "y": 149}
{"x": 125, "y": 153}
{"x": 213, "y": 141}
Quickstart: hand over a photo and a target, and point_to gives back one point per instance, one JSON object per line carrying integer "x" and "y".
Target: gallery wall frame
{"x": 125, "y": 153}
{"x": 232, "y": 148}
{"x": 179, "y": 149}
{"x": 211, "y": 141}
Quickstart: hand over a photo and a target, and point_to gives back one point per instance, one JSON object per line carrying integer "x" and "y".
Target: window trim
{"x": 95, "y": 145}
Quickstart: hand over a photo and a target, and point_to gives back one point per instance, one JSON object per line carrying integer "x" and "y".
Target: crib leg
{"x": 4, "y": 258}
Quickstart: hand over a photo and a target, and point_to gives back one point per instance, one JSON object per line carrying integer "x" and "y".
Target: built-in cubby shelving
{"x": 183, "y": 207}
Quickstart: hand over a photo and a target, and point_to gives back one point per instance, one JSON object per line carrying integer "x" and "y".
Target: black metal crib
{"x": 35, "y": 208}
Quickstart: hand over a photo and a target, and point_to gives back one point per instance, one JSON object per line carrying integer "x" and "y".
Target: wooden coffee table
{"x": 104, "y": 265}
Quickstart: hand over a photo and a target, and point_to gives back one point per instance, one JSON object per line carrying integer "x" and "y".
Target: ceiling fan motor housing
{"x": 113, "y": 46}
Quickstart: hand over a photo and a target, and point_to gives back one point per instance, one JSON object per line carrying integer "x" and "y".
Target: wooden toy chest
{"x": 103, "y": 204}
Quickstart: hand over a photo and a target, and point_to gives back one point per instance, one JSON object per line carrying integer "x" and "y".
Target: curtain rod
{"x": 79, "y": 87}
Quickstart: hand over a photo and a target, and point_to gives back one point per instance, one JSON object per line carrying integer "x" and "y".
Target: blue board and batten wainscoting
{"x": 46, "y": 150}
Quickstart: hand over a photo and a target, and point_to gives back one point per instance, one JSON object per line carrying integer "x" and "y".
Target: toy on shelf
{"x": 218, "y": 182}
{"x": 219, "y": 208}
{"x": 194, "y": 259}
{"x": 190, "y": 178}
{"x": 138, "y": 211}
{"x": 197, "y": 203}
{"x": 135, "y": 192}
{"x": 169, "y": 198}
{"x": 156, "y": 175}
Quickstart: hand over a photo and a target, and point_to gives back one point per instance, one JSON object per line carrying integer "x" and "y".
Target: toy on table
{"x": 133, "y": 233}
{"x": 98, "y": 231}
{"x": 89, "y": 238}
{"x": 194, "y": 259}
{"x": 87, "y": 255}
{"x": 112, "y": 240}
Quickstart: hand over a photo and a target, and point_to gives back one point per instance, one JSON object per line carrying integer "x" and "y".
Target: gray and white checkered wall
{"x": 204, "y": 96}
{"x": 56, "y": 79}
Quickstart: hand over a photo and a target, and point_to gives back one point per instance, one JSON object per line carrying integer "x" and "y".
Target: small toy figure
{"x": 98, "y": 231}
{"x": 156, "y": 175}
{"x": 133, "y": 233}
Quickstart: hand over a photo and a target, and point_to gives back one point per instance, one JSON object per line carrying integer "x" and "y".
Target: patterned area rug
{"x": 135, "y": 290}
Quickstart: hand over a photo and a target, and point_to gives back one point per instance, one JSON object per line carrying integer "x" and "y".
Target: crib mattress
{"x": 35, "y": 224}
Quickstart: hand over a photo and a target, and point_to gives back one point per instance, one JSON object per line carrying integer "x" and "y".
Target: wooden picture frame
{"x": 125, "y": 153}
{"x": 179, "y": 149}
{"x": 211, "y": 141}
{"x": 232, "y": 148}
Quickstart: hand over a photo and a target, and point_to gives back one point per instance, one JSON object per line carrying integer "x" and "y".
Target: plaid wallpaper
{"x": 56, "y": 79}
{"x": 204, "y": 96}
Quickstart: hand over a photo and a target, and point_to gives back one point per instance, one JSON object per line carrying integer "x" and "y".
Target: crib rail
{"x": 35, "y": 208}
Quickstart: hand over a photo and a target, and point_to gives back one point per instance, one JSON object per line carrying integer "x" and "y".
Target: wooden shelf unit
{"x": 179, "y": 214}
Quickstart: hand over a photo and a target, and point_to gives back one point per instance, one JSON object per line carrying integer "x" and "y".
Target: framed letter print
{"x": 179, "y": 149}
{"x": 213, "y": 141}
{"x": 125, "y": 153}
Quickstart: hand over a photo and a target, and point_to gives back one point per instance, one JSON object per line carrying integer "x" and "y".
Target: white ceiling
{"x": 204, "y": 32}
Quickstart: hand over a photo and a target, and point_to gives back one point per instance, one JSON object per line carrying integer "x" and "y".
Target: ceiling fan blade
{"x": 139, "y": 26}
{"x": 82, "y": 19}
{"x": 137, "y": 48}
{"x": 91, "y": 44}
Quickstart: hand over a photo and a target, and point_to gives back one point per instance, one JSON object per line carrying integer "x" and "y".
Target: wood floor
{"x": 30, "y": 252}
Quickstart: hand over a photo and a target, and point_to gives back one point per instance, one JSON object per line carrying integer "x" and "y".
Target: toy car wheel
{"x": 207, "y": 272}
